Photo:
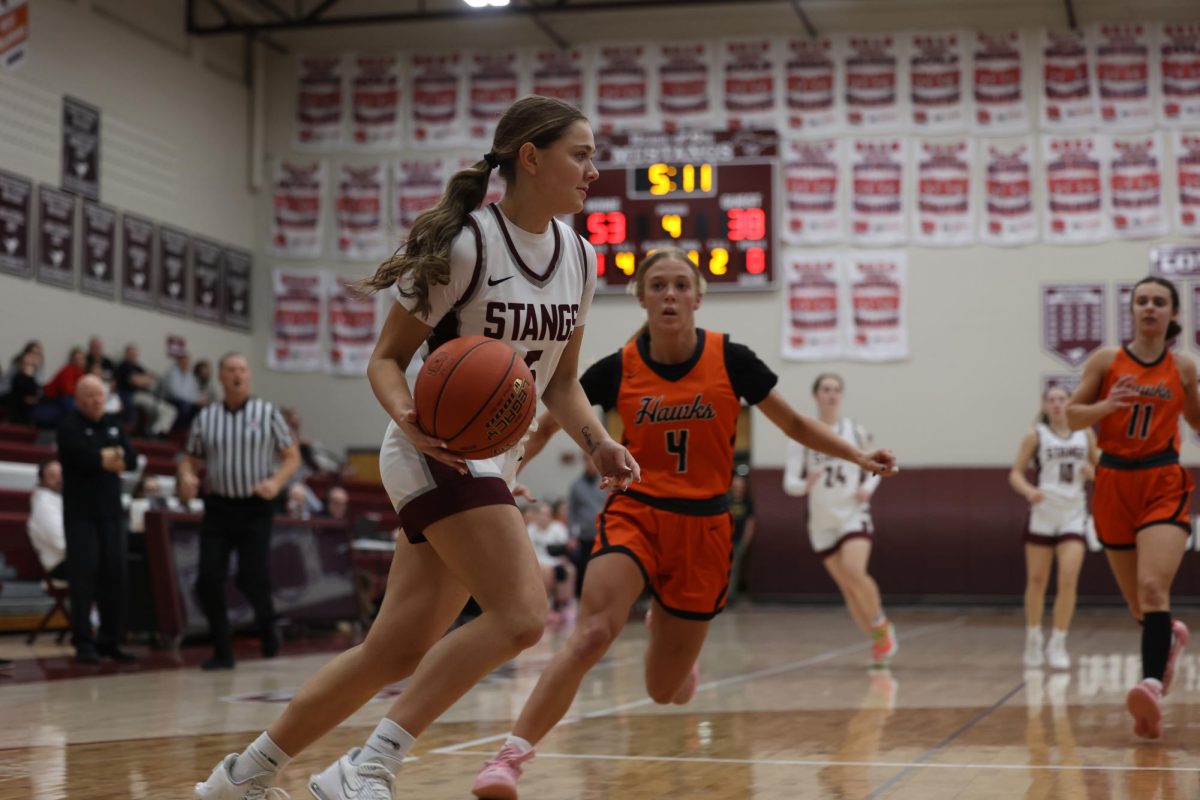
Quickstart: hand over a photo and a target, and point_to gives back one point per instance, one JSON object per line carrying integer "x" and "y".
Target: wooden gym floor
{"x": 786, "y": 709}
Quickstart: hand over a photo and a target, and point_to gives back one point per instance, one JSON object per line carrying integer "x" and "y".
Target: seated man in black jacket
{"x": 94, "y": 449}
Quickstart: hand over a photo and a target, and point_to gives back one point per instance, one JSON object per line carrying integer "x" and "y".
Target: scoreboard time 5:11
{"x": 708, "y": 193}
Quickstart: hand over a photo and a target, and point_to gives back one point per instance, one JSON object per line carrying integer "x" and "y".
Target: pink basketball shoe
{"x": 1144, "y": 702}
{"x": 498, "y": 778}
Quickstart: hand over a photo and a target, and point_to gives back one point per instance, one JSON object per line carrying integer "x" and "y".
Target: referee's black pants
{"x": 96, "y": 557}
{"x": 244, "y": 525}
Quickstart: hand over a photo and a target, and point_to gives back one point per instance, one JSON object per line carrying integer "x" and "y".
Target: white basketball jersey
{"x": 1059, "y": 461}
{"x": 831, "y": 500}
{"x": 529, "y": 291}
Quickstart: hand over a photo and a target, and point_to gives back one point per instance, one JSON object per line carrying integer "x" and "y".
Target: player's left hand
{"x": 618, "y": 468}
{"x": 862, "y": 495}
{"x": 1087, "y": 472}
{"x": 880, "y": 462}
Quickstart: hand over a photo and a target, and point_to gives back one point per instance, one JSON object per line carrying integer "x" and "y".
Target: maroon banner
{"x": 173, "y": 247}
{"x": 137, "y": 257}
{"x": 81, "y": 148}
{"x": 99, "y": 259}
{"x": 235, "y": 279}
{"x": 622, "y": 83}
{"x": 320, "y": 100}
{"x": 559, "y": 74}
{"x": 56, "y": 237}
{"x": 1176, "y": 260}
{"x": 16, "y": 208}
{"x": 493, "y": 84}
{"x": 1073, "y": 320}
{"x": 375, "y": 102}
{"x": 206, "y": 280}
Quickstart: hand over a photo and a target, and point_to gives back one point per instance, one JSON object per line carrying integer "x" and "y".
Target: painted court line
{"x": 730, "y": 681}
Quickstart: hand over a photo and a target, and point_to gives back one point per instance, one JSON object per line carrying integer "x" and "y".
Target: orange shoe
{"x": 1144, "y": 702}
{"x": 1179, "y": 640}
{"x": 884, "y": 645}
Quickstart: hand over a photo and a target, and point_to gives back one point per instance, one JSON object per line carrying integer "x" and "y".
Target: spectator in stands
{"x": 24, "y": 391}
{"x": 182, "y": 390}
{"x": 549, "y": 537}
{"x": 32, "y": 346}
{"x": 315, "y": 457}
{"x": 58, "y": 396}
{"x": 138, "y": 391}
{"x": 584, "y": 501}
{"x": 94, "y": 449}
{"x": 299, "y": 501}
{"x": 337, "y": 503}
{"x": 45, "y": 524}
{"x": 208, "y": 389}
{"x": 146, "y": 496}
{"x": 96, "y": 357}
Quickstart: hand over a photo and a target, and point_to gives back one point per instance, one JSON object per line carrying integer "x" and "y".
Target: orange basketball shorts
{"x": 1126, "y": 501}
{"x": 684, "y": 557}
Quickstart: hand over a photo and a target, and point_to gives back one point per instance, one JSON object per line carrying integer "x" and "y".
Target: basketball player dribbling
{"x": 678, "y": 390}
{"x": 1065, "y": 460}
{"x": 511, "y": 272}
{"x": 840, "y": 528}
{"x": 1142, "y": 496}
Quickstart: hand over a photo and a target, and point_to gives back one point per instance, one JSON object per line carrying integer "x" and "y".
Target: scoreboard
{"x": 709, "y": 193}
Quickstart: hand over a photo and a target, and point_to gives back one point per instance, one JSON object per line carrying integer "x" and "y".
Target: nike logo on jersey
{"x": 653, "y": 410}
{"x": 499, "y": 281}
{"x": 520, "y": 322}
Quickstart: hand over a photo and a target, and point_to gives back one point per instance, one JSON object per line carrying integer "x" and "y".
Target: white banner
{"x": 686, "y": 91}
{"x": 937, "y": 75}
{"x": 1009, "y": 216}
{"x": 1124, "y": 82}
{"x": 878, "y": 305}
{"x": 353, "y": 321}
{"x": 750, "y": 82}
{"x": 559, "y": 74}
{"x": 361, "y": 226}
{"x": 417, "y": 185}
{"x": 320, "y": 101}
{"x": 1067, "y": 98}
{"x": 375, "y": 102}
{"x": 1075, "y": 207}
{"x": 944, "y": 196}
{"x": 625, "y": 94}
{"x": 812, "y": 87}
{"x": 875, "y": 82}
{"x": 877, "y": 191}
{"x": 814, "y": 307}
{"x": 998, "y": 76}
{"x": 494, "y": 82}
{"x": 296, "y": 221}
{"x": 437, "y": 98}
{"x": 1187, "y": 178}
{"x": 814, "y": 206}
{"x": 1178, "y": 56}
{"x": 297, "y": 320}
{"x": 1135, "y": 184}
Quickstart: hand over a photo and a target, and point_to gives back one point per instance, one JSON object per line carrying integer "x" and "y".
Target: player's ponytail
{"x": 1173, "y": 327}
{"x": 637, "y": 287}
{"x": 539, "y": 121}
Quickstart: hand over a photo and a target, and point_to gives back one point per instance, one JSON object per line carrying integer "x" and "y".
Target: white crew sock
{"x": 263, "y": 755}
{"x": 522, "y": 746}
{"x": 388, "y": 744}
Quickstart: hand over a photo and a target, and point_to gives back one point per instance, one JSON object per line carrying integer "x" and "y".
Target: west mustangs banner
{"x": 1068, "y": 102}
{"x": 814, "y": 208}
{"x": 1009, "y": 216}
{"x": 878, "y": 304}
{"x": 812, "y": 86}
{"x": 1123, "y": 67}
{"x": 1135, "y": 182}
{"x": 361, "y": 227}
{"x": 417, "y": 184}
{"x": 1074, "y": 172}
{"x": 686, "y": 92}
{"x": 297, "y": 320}
{"x": 494, "y": 82}
{"x": 937, "y": 65}
{"x": 944, "y": 214}
{"x": 320, "y": 100}
{"x": 625, "y": 94}
{"x": 814, "y": 307}
{"x": 877, "y": 191}
{"x": 375, "y": 99}
{"x": 998, "y": 78}
{"x": 1178, "y": 57}
{"x": 436, "y": 92}
{"x": 296, "y": 221}
{"x": 353, "y": 320}
{"x": 1187, "y": 172}
{"x": 875, "y": 82}
{"x": 559, "y": 74}
{"x": 750, "y": 82}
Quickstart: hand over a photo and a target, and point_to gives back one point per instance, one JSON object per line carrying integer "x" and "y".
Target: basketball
{"x": 476, "y": 395}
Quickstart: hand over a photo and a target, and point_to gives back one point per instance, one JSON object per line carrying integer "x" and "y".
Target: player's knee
{"x": 591, "y": 639}
{"x": 1152, "y": 593}
{"x": 524, "y": 626}
{"x": 1037, "y": 582}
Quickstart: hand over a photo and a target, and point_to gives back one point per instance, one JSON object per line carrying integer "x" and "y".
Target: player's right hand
{"x": 1035, "y": 497}
{"x": 617, "y": 466}
{"x": 1122, "y": 393}
{"x": 880, "y": 462}
{"x": 434, "y": 448}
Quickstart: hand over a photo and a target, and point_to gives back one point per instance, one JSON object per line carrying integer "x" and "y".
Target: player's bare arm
{"x": 1191, "y": 396}
{"x": 1086, "y": 407}
{"x": 811, "y": 433}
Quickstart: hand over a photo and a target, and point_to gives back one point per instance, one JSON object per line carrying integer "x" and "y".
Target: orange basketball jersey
{"x": 681, "y": 432}
{"x": 1150, "y": 425}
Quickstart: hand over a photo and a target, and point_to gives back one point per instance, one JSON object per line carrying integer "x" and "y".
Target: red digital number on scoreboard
{"x": 746, "y": 224}
{"x": 606, "y": 227}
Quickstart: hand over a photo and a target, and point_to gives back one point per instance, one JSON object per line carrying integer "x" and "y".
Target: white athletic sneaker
{"x": 220, "y": 785}
{"x": 1056, "y": 654}
{"x": 345, "y": 780}
{"x": 1033, "y": 647}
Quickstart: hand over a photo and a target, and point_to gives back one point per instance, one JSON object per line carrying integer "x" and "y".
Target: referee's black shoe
{"x": 272, "y": 641}
{"x": 116, "y": 654}
{"x": 217, "y": 663}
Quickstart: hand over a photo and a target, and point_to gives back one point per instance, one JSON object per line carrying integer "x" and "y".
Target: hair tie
{"x": 491, "y": 160}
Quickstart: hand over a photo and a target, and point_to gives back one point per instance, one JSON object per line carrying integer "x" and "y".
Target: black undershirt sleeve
{"x": 752, "y": 379}
{"x": 602, "y": 381}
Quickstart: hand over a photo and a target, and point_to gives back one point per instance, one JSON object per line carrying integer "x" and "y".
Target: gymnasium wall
{"x": 173, "y": 130}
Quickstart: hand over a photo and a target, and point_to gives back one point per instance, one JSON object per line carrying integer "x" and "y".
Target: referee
{"x": 250, "y": 455}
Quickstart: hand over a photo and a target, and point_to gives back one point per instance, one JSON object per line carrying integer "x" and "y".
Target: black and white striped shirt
{"x": 240, "y": 446}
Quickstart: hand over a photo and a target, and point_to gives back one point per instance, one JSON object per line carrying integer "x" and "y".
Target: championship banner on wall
{"x": 1135, "y": 172}
{"x": 235, "y": 286}
{"x": 624, "y": 91}
{"x": 559, "y": 74}
{"x": 296, "y": 221}
{"x": 876, "y": 83}
{"x": 1175, "y": 261}
{"x": 80, "y": 148}
{"x": 1075, "y": 207}
{"x": 16, "y": 214}
{"x": 1074, "y": 324}
{"x": 353, "y": 321}
{"x": 14, "y": 32}
{"x": 878, "y": 306}
{"x": 937, "y": 79}
{"x": 99, "y": 257}
{"x": 813, "y": 307}
{"x": 812, "y": 86}
{"x": 1178, "y": 56}
{"x": 1121, "y": 56}
{"x": 750, "y": 83}
{"x": 1067, "y": 98}
{"x": 436, "y": 92}
{"x": 417, "y": 185}
{"x": 944, "y": 196}
{"x": 137, "y": 261}
{"x": 206, "y": 280}
{"x": 494, "y": 82}
{"x": 1124, "y": 298}
{"x": 814, "y": 205}
{"x": 320, "y": 101}
{"x": 173, "y": 284}
{"x": 877, "y": 191}
{"x": 361, "y": 232}
{"x": 297, "y": 320}
{"x": 1009, "y": 216}
{"x": 1187, "y": 178}
{"x": 375, "y": 102}
{"x": 56, "y": 237}
{"x": 685, "y": 75}
{"x": 998, "y": 80}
